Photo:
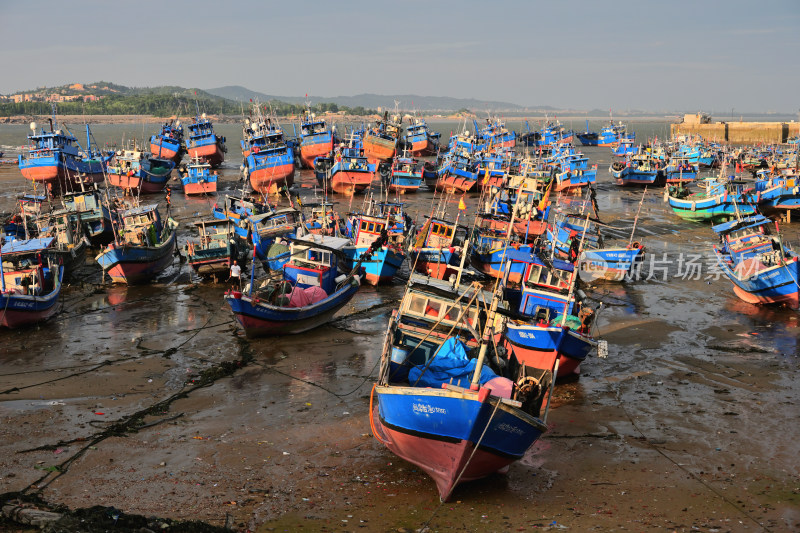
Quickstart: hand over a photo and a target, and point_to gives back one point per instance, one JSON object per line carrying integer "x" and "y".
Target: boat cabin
{"x": 141, "y": 226}
{"x": 315, "y": 262}
{"x": 276, "y": 223}
{"x": 544, "y": 290}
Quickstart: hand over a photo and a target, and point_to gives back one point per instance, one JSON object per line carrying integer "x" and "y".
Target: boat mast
{"x": 636, "y": 219}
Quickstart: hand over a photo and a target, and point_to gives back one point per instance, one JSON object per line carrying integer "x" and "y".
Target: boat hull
{"x": 259, "y": 319}
{"x": 20, "y": 310}
{"x": 453, "y": 436}
{"x": 271, "y": 179}
{"x": 211, "y": 153}
{"x": 133, "y": 264}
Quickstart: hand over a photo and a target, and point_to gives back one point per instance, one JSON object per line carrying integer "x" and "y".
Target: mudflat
{"x": 149, "y": 401}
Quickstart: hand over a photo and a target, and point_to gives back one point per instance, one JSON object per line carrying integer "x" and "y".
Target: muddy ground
{"x": 150, "y": 400}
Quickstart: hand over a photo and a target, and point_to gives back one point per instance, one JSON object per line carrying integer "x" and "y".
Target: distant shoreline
{"x": 233, "y": 119}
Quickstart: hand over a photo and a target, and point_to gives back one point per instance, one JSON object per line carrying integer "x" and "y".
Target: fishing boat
{"x": 321, "y": 218}
{"x": 92, "y": 213}
{"x": 143, "y": 249}
{"x": 55, "y": 160}
{"x": 168, "y": 142}
{"x": 217, "y": 247}
{"x": 135, "y": 170}
{"x": 457, "y": 417}
{"x": 69, "y": 244}
{"x": 316, "y": 139}
{"x": 420, "y": 140}
{"x": 269, "y": 162}
{"x": 761, "y": 267}
{"x": 29, "y": 292}
{"x": 574, "y": 179}
{"x": 314, "y": 287}
{"x": 380, "y": 142}
{"x": 777, "y": 194}
{"x": 405, "y": 175}
{"x": 204, "y": 144}
{"x": 545, "y": 325}
{"x": 637, "y": 169}
{"x": 373, "y": 236}
{"x": 718, "y": 200}
{"x": 680, "y": 170}
{"x": 347, "y": 171}
{"x": 438, "y": 248}
{"x": 458, "y": 172}
{"x": 197, "y": 178}
{"x": 609, "y": 135}
{"x": 597, "y": 260}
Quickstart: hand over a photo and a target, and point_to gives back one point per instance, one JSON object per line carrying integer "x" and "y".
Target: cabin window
{"x": 433, "y": 308}
{"x": 417, "y": 305}
{"x": 436, "y": 229}
{"x": 534, "y": 274}
{"x": 364, "y": 226}
{"x": 371, "y": 227}
{"x": 449, "y": 232}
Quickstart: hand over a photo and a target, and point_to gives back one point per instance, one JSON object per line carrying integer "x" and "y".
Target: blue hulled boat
{"x": 168, "y": 143}
{"x": 204, "y": 144}
{"x": 459, "y": 417}
{"x": 29, "y": 291}
{"x": 55, "y": 159}
{"x": 313, "y": 289}
{"x": 761, "y": 267}
{"x": 143, "y": 249}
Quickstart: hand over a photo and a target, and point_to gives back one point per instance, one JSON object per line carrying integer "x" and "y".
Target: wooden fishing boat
{"x": 216, "y": 248}
{"x": 405, "y": 175}
{"x": 269, "y": 162}
{"x": 29, "y": 292}
{"x": 380, "y": 142}
{"x": 760, "y": 266}
{"x": 137, "y": 171}
{"x": 716, "y": 201}
{"x": 204, "y": 144}
{"x": 69, "y": 244}
{"x": 381, "y": 249}
{"x": 168, "y": 142}
{"x": 545, "y": 325}
{"x": 456, "y": 417}
{"x": 348, "y": 171}
{"x": 93, "y": 214}
{"x": 638, "y": 169}
{"x": 54, "y": 159}
{"x": 597, "y": 260}
{"x": 316, "y": 139}
{"x": 438, "y": 248}
{"x": 420, "y": 140}
{"x": 143, "y": 249}
{"x": 197, "y": 178}
{"x": 313, "y": 289}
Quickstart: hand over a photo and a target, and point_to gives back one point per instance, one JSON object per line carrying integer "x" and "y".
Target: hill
{"x": 374, "y": 101}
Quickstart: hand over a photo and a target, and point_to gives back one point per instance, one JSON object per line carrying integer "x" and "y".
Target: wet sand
{"x": 149, "y": 399}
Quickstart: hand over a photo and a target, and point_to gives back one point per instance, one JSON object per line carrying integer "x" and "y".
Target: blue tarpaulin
{"x": 451, "y": 365}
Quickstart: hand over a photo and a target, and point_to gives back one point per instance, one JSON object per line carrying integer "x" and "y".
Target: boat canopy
{"x": 26, "y": 245}
{"x": 747, "y": 222}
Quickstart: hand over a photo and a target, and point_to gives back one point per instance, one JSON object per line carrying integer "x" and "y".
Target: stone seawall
{"x": 740, "y": 132}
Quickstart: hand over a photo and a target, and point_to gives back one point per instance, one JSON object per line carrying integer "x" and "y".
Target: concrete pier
{"x": 736, "y": 132}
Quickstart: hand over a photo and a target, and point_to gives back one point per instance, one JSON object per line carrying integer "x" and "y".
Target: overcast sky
{"x": 629, "y": 54}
